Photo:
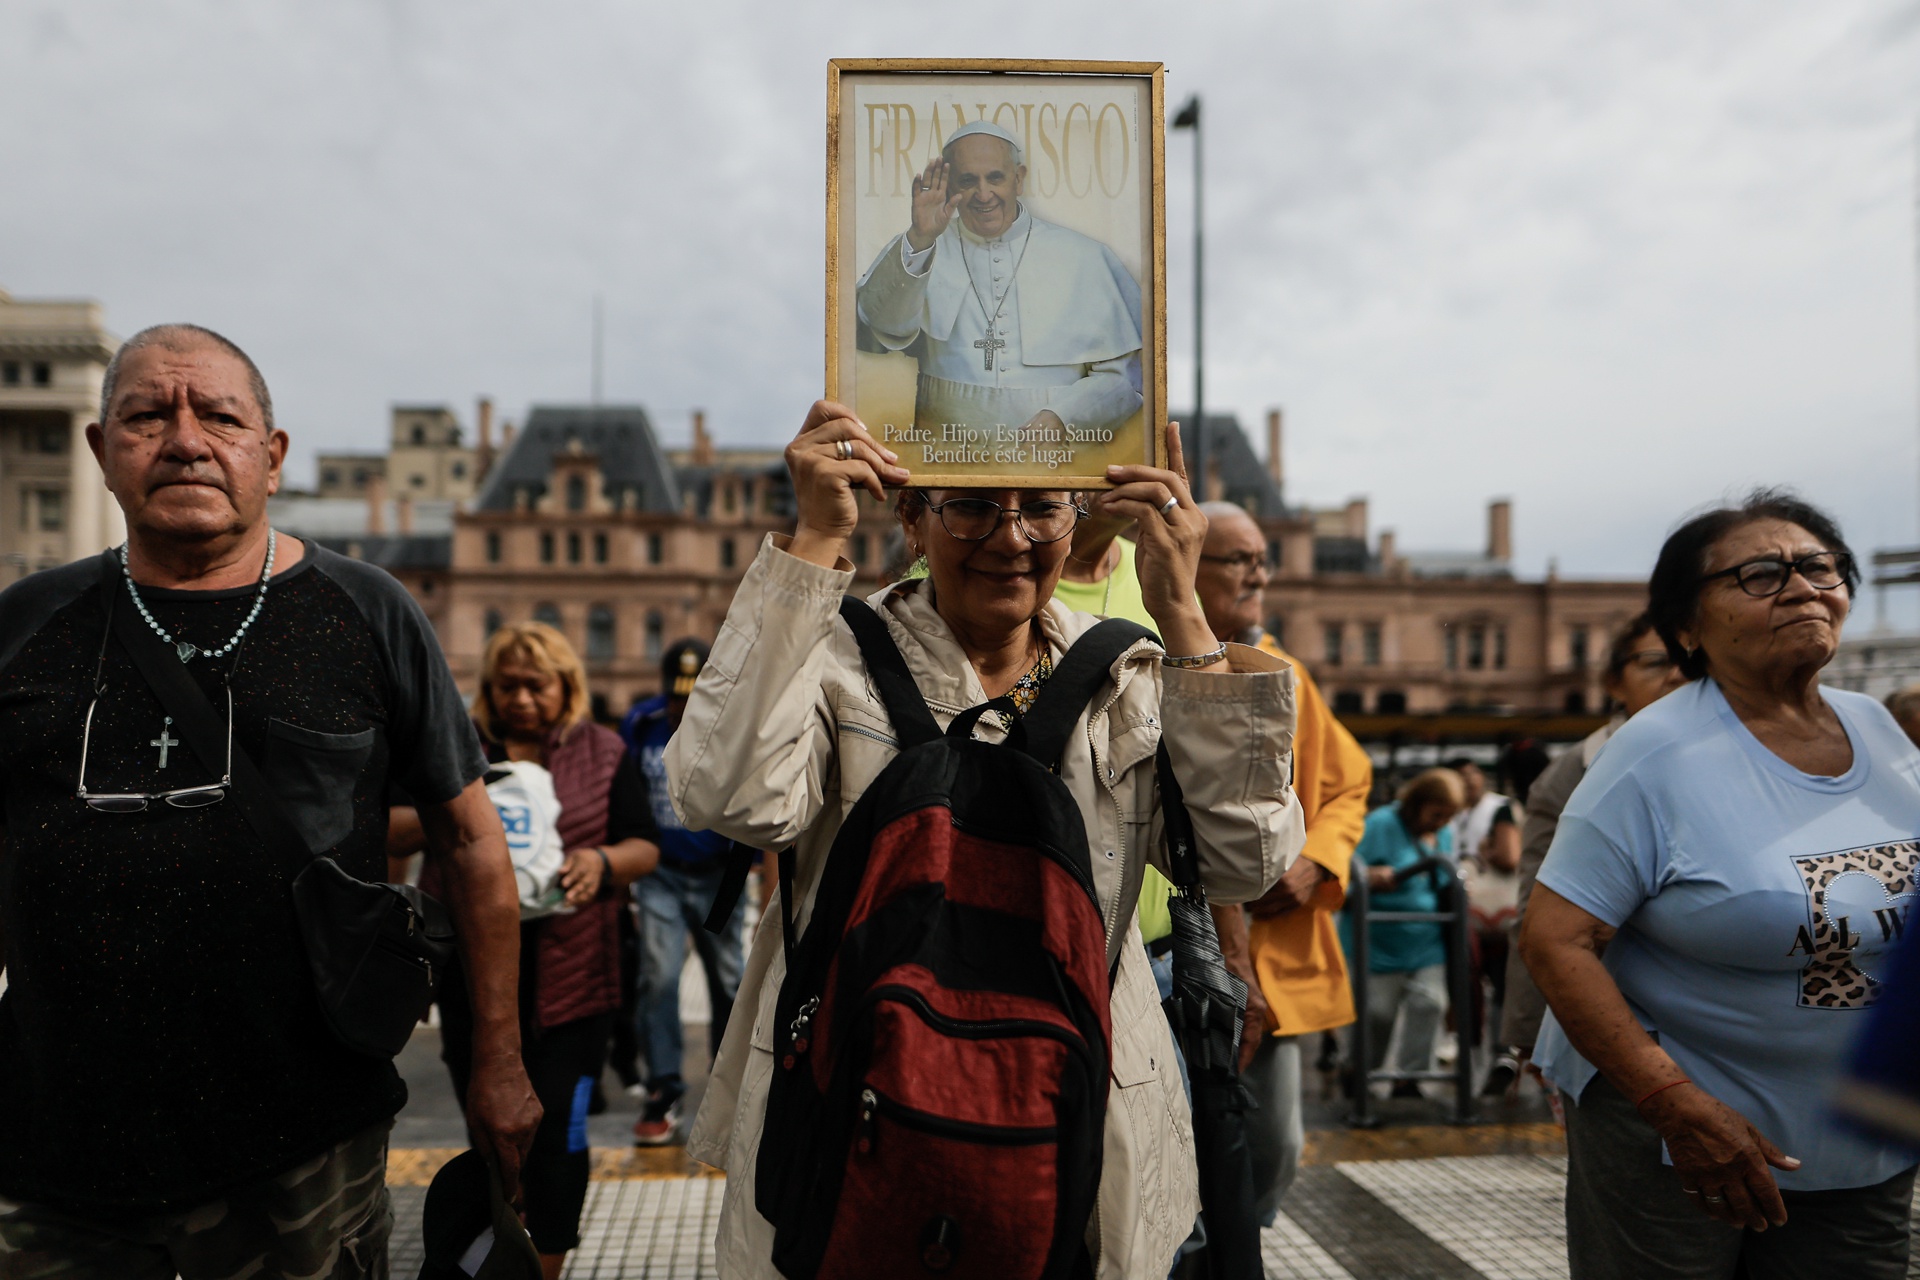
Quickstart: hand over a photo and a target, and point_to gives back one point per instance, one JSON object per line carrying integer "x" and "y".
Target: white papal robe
{"x": 1065, "y": 338}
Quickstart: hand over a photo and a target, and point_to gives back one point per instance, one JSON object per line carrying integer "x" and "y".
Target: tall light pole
{"x": 1195, "y": 438}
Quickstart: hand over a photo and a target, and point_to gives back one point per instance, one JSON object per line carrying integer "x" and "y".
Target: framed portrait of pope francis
{"x": 996, "y": 265}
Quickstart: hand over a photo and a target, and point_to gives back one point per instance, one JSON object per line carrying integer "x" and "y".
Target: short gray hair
{"x": 1218, "y": 510}
{"x": 178, "y": 337}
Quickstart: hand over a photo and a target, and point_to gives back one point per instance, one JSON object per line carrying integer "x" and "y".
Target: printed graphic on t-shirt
{"x": 1860, "y": 902}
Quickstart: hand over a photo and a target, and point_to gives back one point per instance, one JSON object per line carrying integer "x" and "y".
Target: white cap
{"x": 991, "y": 130}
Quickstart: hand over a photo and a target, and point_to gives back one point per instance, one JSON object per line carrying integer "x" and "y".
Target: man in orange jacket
{"x": 1290, "y": 958}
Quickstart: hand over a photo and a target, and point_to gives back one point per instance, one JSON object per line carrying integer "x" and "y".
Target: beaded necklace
{"x": 188, "y": 652}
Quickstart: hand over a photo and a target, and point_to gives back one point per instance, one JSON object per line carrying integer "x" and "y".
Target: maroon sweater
{"x": 576, "y": 957}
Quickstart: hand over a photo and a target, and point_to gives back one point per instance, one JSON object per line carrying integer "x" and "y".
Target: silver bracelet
{"x": 1196, "y": 661}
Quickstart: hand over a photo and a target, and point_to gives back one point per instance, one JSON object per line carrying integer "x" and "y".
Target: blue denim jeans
{"x": 674, "y": 902}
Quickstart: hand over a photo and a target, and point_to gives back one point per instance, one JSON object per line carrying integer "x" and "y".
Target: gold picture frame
{"x": 871, "y": 373}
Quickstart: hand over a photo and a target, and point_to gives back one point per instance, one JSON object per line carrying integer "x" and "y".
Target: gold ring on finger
{"x": 845, "y": 449}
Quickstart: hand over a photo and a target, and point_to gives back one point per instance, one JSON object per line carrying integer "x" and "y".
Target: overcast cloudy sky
{"x": 1609, "y": 257}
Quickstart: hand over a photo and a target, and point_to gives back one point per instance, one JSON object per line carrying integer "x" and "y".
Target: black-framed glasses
{"x": 1239, "y": 561}
{"x": 975, "y": 519}
{"x": 1769, "y": 575}
{"x": 135, "y": 801}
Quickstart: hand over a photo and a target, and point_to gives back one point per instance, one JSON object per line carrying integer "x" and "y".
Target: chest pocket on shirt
{"x": 312, "y": 775}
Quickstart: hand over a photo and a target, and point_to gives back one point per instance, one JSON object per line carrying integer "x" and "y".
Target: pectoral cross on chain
{"x": 988, "y": 345}
{"x": 165, "y": 741}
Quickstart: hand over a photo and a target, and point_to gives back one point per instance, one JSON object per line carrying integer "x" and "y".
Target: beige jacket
{"x": 782, "y": 735}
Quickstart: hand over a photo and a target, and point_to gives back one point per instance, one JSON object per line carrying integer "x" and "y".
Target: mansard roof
{"x": 637, "y": 473}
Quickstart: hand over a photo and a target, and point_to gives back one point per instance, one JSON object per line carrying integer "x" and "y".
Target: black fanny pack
{"x": 375, "y": 951}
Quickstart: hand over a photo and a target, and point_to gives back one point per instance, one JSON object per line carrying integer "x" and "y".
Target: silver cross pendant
{"x": 186, "y": 651}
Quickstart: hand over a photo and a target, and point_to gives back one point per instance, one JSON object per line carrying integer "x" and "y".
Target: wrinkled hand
{"x": 1166, "y": 545}
{"x": 1381, "y": 878}
{"x": 1721, "y": 1158}
{"x": 933, "y": 208}
{"x": 824, "y": 481}
{"x": 1294, "y": 889}
{"x": 1260, "y": 1022}
{"x": 581, "y": 875}
{"x": 502, "y": 1113}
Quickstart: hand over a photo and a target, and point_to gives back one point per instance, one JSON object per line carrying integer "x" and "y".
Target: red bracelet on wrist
{"x": 1662, "y": 1089}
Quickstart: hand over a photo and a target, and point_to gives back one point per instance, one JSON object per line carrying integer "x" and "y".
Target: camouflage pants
{"x": 326, "y": 1219}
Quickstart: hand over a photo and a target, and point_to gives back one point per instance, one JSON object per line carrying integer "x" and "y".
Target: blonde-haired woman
{"x": 532, "y": 706}
{"x": 1407, "y": 962}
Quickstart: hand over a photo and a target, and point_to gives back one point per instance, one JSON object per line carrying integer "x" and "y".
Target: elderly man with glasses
{"x": 1290, "y": 957}
{"x": 172, "y": 1098}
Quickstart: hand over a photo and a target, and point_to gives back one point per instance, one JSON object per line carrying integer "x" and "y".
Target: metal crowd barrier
{"x": 1459, "y": 984}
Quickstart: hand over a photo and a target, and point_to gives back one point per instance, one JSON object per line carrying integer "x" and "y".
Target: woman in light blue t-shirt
{"x": 1724, "y": 885}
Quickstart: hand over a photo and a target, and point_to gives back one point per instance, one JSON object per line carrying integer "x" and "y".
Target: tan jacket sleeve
{"x": 1230, "y": 737}
{"x": 753, "y": 752}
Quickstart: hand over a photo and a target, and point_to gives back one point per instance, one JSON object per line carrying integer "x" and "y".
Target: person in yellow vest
{"x": 1290, "y": 956}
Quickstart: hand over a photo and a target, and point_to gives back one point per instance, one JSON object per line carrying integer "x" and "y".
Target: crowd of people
{"x": 1674, "y": 923}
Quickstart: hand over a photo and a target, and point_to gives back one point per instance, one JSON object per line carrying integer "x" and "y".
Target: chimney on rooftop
{"x": 483, "y": 418}
{"x": 1500, "y": 529}
{"x": 1275, "y": 468}
{"x": 403, "y": 513}
{"x": 1357, "y": 518}
{"x": 702, "y": 442}
{"x": 376, "y": 504}
{"x": 1388, "y": 549}
{"x": 506, "y": 436}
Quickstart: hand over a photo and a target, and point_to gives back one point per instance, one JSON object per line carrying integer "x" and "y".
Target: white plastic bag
{"x": 530, "y": 811}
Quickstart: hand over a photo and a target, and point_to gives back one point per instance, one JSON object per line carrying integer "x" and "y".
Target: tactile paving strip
{"x": 1502, "y": 1215}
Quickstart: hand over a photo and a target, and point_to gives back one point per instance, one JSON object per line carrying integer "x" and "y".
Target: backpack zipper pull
{"x": 797, "y": 1032}
{"x": 869, "y": 1107}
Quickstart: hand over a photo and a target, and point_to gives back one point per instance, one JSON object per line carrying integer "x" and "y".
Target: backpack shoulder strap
{"x": 912, "y": 722}
{"x": 1081, "y": 670}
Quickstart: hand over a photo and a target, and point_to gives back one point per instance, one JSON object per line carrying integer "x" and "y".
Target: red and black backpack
{"x": 941, "y": 1047}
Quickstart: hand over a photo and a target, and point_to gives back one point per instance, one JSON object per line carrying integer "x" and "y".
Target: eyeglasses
{"x": 136, "y": 801}
{"x": 1648, "y": 661}
{"x": 975, "y": 519}
{"x": 1768, "y": 576}
{"x": 1239, "y": 561}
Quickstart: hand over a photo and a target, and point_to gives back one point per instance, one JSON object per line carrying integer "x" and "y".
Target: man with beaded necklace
{"x": 171, "y": 1099}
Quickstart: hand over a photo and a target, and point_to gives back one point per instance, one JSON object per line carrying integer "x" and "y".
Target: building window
{"x": 599, "y": 634}
{"x": 1391, "y": 702}
{"x": 1499, "y": 648}
{"x": 10, "y": 373}
{"x": 458, "y": 470}
{"x": 53, "y": 510}
{"x": 493, "y": 546}
{"x": 1452, "y": 642}
{"x": 655, "y": 550}
{"x": 656, "y": 634}
{"x": 576, "y": 493}
{"x": 1370, "y": 644}
{"x": 417, "y": 480}
{"x": 1577, "y": 654}
{"x": 1335, "y": 635}
{"x": 726, "y": 498}
{"x": 493, "y": 622}
{"x": 53, "y": 439}
{"x": 42, "y": 374}
{"x": 1476, "y": 648}
{"x": 861, "y": 547}
{"x": 547, "y": 613}
{"x": 1273, "y": 553}
{"x": 599, "y": 548}
{"x": 726, "y": 553}
{"x": 1576, "y": 703}
{"x": 573, "y": 548}
{"x": 419, "y": 435}
{"x": 546, "y": 548}
{"x": 1277, "y": 628}
{"x": 330, "y": 478}
{"x": 1348, "y": 702}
